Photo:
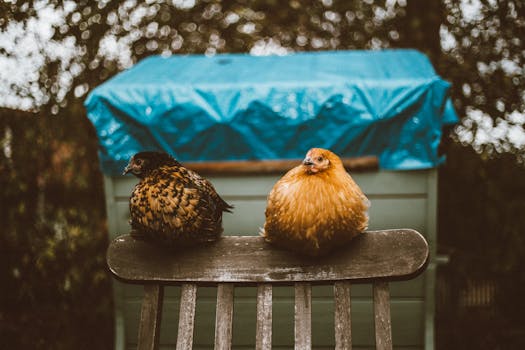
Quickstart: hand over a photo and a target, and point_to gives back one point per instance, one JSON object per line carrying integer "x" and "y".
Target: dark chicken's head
{"x": 143, "y": 163}
{"x": 318, "y": 160}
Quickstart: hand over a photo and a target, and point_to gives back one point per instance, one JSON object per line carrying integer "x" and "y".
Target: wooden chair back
{"x": 375, "y": 257}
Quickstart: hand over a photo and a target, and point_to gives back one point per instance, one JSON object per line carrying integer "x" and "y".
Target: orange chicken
{"x": 315, "y": 207}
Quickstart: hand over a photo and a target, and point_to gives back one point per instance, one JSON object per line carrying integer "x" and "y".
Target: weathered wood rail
{"x": 279, "y": 166}
{"x": 375, "y": 257}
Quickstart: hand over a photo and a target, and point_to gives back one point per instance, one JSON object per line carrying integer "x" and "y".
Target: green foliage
{"x": 482, "y": 216}
{"x": 485, "y": 67}
{"x": 481, "y": 225}
{"x": 52, "y": 261}
{"x": 53, "y": 237}
{"x": 475, "y": 63}
{"x": 109, "y": 36}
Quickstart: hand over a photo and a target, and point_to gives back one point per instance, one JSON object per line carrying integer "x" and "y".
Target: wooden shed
{"x": 243, "y": 121}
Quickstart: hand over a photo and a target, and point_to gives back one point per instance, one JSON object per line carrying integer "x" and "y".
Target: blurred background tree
{"x": 52, "y": 53}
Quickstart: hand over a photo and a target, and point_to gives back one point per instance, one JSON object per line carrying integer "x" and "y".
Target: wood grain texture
{"x": 303, "y": 316}
{"x": 387, "y": 254}
{"x": 263, "y": 332}
{"x": 404, "y": 333}
{"x": 224, "y": 317}
{"x": 259, "y": 167}
{"x": 188, "y": 300}
{"x": 150, "y": 315}
{"x": 383, "y": 329}
{"x": 342, "y": 317}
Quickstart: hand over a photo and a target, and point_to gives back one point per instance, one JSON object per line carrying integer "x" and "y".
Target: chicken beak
{"x": 127, "y": 169}
{"x": 308, "y": 161}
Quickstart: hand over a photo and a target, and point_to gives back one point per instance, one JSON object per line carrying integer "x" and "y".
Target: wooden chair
{"x": 375, "y": 257}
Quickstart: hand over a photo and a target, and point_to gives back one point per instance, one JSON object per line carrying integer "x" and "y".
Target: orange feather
{"x": 316, "y": 206}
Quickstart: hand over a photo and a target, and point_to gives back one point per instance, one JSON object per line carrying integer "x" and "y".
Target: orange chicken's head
{"x": 318, "y": 160}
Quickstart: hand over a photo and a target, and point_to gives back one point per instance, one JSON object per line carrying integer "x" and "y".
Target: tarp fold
{"x": 388, "y": 103}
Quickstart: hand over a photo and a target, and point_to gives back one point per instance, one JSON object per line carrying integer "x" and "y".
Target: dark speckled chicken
{"x": 172, "y": 205}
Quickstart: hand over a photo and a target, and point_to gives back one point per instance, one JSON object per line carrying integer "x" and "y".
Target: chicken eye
{"x": 319, "y": 159}
{"x": 138, "y": 162}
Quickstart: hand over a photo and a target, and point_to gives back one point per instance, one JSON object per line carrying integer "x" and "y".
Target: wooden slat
{"x": 303, "y": 316}
{"x": 150, "y": 315}
{"x": 259, "y": 167}
{"x": 188, "y": 299}
{"x": 404, "y": 333}
{"x": 342, "y": 318}
{"x": 224, "y": 317}
{"x": 263, "y": 334}
{"x": 382, "y": 316}
{"x": 250, "y": 259}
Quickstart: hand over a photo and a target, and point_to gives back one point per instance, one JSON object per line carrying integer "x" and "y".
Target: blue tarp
{"x": 387, "y": 103}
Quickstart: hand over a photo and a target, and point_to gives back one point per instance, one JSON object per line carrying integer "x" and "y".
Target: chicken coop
{"x": 243, "y": 121}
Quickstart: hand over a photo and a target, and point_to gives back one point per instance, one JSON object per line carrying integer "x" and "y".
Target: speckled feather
{"x": 313, "y": 213}
{"x": 176, "y": 207}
